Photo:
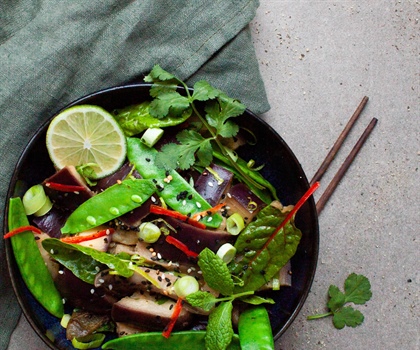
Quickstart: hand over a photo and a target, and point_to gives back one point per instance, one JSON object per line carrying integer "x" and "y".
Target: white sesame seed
{"x": 198, "y": 204}
{"x": 184, "y": 202}
{"x": 101, "y": 280}
{"x": 92, "y": 291}
{"x": 52, "y": 251}
{"x": 110, "y": 287}
{"x": 210, "y": 184}
{"x": 210, "y": 218}
{"x": 159, "y": 256}
{"x": 63, "y": 300}
{"x": 189, "y": 271}
{"x": 200, "y": 272}
{"x": 60, "y": 272}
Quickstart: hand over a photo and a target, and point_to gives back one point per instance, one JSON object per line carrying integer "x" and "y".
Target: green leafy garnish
{"x": 215, "y": 272}
{"x": 219, "y": 328}
{"x": 262, "y": 255}
{"x": 356, "y": 291}
{"x": 83, "y": 261}
{"x": 193, "y": 148}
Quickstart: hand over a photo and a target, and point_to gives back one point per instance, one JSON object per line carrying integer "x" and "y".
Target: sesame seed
{"x": 198, "y": 204}
{"x": 52, "y": 251}
{"x": 189, "y": 271}
{"x": 110, "y": 287}
{"x": 92, "y": 291}
{"x": 159, "y": 256}
{"x": 101, "y": 280}
{"x": 60, "y": 272}
{"x": 210, "y": 184}
{"x": 184, "y": 202}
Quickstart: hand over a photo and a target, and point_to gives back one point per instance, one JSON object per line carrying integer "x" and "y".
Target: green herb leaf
{"x": 158, "y": 74}
{"x": 347, "y": 316}
{"x": 203, "y": 91}
{"x": 257, "y": 300}
{"x": 357, "y": 291}
{"x": 203, "y": 300}
{"x": 169, "y": 102}
{"x": 83, "y": 261}
{"x": 215, "y": 272}
{"x": 258, "y": 259}
{"x": 219, "y": 328}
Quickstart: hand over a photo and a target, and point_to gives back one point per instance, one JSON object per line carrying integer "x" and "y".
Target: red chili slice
{"x": 78, "y": 239}
{"x": 155, "y": 209}
{"x": 22, "y": 229}
{"x": 181, "y": 246}
{"x": 64, "y": 188}
{"x": 174, "y": 317}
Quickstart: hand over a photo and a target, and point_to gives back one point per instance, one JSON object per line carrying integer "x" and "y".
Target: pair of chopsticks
{"x": 348, "y": 161}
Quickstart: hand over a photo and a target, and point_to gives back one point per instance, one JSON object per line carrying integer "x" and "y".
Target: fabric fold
{"x": 53, "y": 53}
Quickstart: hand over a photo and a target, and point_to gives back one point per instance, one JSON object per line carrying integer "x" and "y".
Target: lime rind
{"x": 86, "y": 134}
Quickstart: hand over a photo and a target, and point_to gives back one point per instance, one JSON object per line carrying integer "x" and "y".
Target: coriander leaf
{"x": 347, "y": 316}
{"x": 183, "y": 155}
{"x": 169, "y": 102}
{"x": 158, "y": 74}
{"x": 203, "y": 300}
{"x": 219, "y": 328}
{"x": 357, "y": 289}
{"x": 337, "y": 298}
{"x": 217, "y": 115}
{"x": 203, "y": 91}
{"x": 215, "y": 272}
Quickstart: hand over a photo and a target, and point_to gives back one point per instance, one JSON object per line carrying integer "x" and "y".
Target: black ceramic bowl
{"x": 282, "y": 170}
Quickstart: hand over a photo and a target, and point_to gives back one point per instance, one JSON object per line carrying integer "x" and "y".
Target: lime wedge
{"x": 86, "y": 134}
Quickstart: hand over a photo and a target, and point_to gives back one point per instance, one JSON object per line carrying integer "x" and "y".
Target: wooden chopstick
{"x": 332, "y": 153}
{"x": 340, "y": 173}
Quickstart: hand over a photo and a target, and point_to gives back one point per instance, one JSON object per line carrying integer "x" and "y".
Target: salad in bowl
{"x": 158, "y": 215}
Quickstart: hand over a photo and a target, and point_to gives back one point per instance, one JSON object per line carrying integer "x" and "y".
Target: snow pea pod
{"x": 115, "y": 201}
{"x": 255, "y": 329}
{"x": 172, "y": 187}
{"x": 31, "y": 265}
{"x": 155, "y": 340}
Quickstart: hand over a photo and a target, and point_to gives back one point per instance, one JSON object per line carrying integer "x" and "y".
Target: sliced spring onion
{"x": 151, "y": 136}
{"x": 149, "y": 232}
{"x": 65, "y": 320}
{"x": 235, "y": 224}
{"x": 226, "y": 252}
{"x": 34, "y": 199}
{"x": 93, "y": 342}
{"x": 186, "y": 285}
{"x": 45, "y": 208}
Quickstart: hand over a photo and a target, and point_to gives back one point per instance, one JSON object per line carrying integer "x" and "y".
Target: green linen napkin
{"x": 52, "y": 52}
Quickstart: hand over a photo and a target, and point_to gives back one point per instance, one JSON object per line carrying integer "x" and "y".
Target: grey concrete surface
{"x": 318, "y": 59}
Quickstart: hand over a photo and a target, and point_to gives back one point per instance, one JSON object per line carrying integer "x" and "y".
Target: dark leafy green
{"x": 83, "y": 261}
{"x": 260, "y": 255}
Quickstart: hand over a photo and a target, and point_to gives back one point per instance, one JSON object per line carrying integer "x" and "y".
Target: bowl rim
{"x": 22, "y": 300}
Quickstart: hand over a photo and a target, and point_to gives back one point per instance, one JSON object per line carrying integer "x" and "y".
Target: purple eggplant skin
{"x": 208, "y": 186}
{"x": 83, "y": 295}
{"x": 196, "y": 239}
{"x": 119, "y": 175}
{"x": 67, "y": 201}
{"x": 52, "y": 222}
{"x": 240, "y": 199}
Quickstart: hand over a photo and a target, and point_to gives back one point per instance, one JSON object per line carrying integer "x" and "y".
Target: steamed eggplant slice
{"x": 68, "y": 201}
{"x": 213, "y": 183}
{"x": 148, "y": 311}
{"x": 83, "y": 323}
{"x": 239, "y": 199}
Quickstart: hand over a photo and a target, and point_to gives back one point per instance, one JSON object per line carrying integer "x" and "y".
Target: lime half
{"x": 86, "y": 134}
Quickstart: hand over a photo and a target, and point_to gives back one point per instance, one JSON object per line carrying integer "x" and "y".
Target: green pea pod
{"x": 177, "y": 193}
{"x": 255, "y": 329}
{"x": 30, "y": 262}
{"x": 115, "y": 201}
{"x": 155, "y": 340}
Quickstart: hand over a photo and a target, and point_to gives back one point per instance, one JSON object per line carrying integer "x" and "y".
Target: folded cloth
{"x": 53, "y": 52}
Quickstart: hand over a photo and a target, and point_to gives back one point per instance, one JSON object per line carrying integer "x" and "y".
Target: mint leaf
{"x": 219, "y": 328}
{"x": 215, "y": 272}
{"x": 203, "y": 300}
{"x": 257, "y": 300}
{"x": 357, "y": 289}
{"x": 347, "y": 316}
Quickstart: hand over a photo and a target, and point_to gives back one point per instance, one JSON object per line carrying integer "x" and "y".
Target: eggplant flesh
{"x": 83, "y": 323}
{"x": 67, "y": 201}
{"x": 148, "y": 311}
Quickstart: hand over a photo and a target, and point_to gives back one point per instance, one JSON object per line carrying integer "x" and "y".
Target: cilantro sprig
{"x": 192, "y": 148}
{"x": 356, "y": 291}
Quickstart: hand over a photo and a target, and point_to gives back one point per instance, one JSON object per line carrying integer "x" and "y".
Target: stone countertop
{"x": 318, "y": 60}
